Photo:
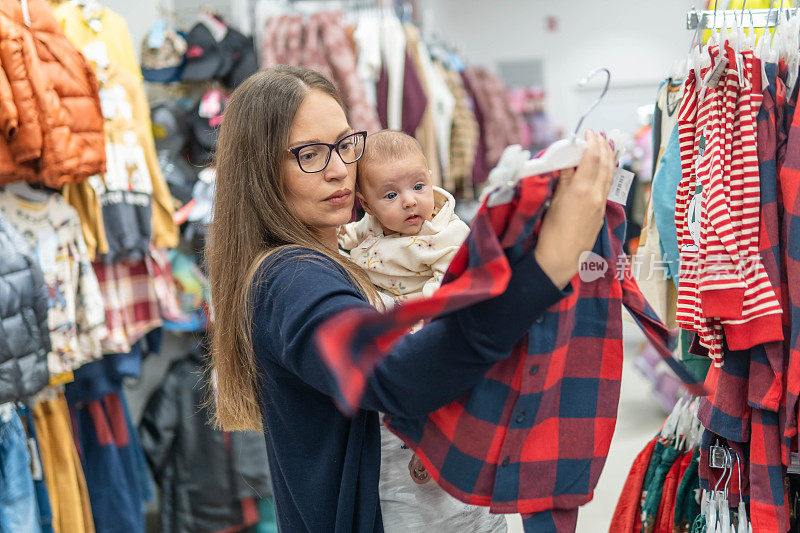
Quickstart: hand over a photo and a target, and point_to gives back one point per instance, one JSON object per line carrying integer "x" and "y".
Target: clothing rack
{"x": 758, "y": 18}
{"x": 405, "y": 9}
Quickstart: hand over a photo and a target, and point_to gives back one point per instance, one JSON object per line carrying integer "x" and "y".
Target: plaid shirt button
{"x": 534, "y": 370}
{"x": 540, "y": 319}
{"x": 520, "y": 417}
{"x": 506, "y": 461}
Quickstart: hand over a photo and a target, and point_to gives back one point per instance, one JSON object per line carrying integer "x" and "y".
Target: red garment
{"x": 724, "y": 286}
{"x": 666, "y": 511}
{"x": 627, "y": 516}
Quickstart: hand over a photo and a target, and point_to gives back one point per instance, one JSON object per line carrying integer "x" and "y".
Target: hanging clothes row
{"x": 86, "y": 278}
{"x": 390, "y": 77}
{"x": 659, "y": 494}
{"x": 721, "y": 236}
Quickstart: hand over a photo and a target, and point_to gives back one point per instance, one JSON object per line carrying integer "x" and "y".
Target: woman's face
{"x": 321, "y": 200}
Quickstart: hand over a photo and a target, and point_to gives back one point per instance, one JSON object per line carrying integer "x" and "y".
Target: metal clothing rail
{"x": 759, "y": 18}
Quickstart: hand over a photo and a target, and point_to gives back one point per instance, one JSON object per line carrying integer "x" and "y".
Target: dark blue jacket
{"x": 325, "y": 466}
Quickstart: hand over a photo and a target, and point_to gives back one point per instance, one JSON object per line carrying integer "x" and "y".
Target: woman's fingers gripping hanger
{"x": 596, "y": 169}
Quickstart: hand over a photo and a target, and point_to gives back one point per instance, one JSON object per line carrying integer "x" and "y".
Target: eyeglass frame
{"x": 331, "y": 147}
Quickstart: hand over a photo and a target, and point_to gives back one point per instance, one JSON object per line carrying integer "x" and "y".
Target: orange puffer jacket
{"x": 51, "y": 123}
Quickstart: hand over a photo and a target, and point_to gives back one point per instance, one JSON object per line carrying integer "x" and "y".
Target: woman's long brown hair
{"x": 251, "y": 220}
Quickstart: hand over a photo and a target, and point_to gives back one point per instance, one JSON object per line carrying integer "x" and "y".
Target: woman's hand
{"x": 575, "y": 217}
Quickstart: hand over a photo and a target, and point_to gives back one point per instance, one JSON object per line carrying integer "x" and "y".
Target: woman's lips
{"x": 339, "y": 197}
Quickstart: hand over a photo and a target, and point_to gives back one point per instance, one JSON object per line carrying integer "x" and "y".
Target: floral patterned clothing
{"x": 404, "y": 265}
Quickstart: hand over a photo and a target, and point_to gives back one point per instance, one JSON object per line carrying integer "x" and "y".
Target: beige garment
{"x": 464, "y": 136}
{"x": 650, "y": 271}
{"x": 66, "y": 484}
{"x": 404, "y": 265}
{"x": 426, "y": 131}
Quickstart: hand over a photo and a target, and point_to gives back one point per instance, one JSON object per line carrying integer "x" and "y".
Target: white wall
{"x": 139, "y": 14}
{"x": 636, "y": 39}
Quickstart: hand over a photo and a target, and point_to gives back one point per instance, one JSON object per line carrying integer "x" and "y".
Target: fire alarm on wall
{"x": 551, "y": 23}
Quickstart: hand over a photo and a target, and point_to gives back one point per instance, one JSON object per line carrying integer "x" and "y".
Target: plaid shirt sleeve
{"x": 533, "y": 435}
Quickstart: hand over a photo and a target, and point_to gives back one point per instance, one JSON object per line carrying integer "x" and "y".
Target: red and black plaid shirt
{"x": 534, "y": 434}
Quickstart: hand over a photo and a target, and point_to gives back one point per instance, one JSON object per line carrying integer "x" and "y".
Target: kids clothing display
{"x": 404, "y": 265}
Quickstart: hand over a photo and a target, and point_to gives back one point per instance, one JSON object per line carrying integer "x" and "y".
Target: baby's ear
{"x": 364, "y": 203}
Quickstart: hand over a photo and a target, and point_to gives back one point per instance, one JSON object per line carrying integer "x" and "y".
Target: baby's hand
{"x": 417, "y": 471}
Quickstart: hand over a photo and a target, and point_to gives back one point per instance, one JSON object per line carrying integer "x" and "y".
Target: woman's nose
{"x": 336, "y": 169}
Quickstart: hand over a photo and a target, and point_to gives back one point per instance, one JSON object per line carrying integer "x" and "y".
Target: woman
{"x": 276, "y": 275}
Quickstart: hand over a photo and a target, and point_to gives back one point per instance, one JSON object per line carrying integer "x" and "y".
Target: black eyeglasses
{"x": 315, "y": 157}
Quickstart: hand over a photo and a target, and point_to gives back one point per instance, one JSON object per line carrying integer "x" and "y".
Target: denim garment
{"x": 18, "y": 511}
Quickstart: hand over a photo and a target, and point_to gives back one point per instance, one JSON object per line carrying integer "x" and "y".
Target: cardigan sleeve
{"x": 298, "y": 291}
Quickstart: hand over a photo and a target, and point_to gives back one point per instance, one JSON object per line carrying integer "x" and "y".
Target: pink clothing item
{"x": 500, "y": 126}
{"x": 268, "y": 58}
{"x": 279, "y": 39}
{"x": 294, "y": 39}
{"x": 313, "y": 50}
{"x": 342, "y": 60}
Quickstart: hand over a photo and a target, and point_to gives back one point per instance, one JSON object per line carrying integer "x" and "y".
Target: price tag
{"x": 794, "y": 465}
{"x": 36, "y": 464}
{"x": 621, "y": 186}
{"x": 713, "y": 76}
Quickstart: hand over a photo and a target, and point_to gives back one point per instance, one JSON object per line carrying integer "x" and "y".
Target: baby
{"x": 406, "y": 242}
{"x": 410, "y": 231}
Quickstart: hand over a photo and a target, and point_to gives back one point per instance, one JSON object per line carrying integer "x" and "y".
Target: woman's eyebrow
{"x": 344, "y": 132}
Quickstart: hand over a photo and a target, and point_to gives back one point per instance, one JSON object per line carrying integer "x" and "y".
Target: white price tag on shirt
{"x": 621, "y": 186}
{"x": 37, "y": 472}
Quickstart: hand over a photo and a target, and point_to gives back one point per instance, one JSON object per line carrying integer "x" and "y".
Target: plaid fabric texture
{"x": 755, "y": 399}
{"x": 533, "y": 435}
{"x": 132, "y": 307}
{"x": 789, "y": 201}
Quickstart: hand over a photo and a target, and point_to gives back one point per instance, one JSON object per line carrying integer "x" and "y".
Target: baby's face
{"x": 399, "y": 194}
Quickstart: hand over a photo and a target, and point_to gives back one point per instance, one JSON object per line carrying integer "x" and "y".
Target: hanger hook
{"x": 769, "y": 16}
{"x": 739, "y": 468}
{"x": 583, "y": 83}
{"x": 729, "y": 468}
{"x": 696, "y": 39}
